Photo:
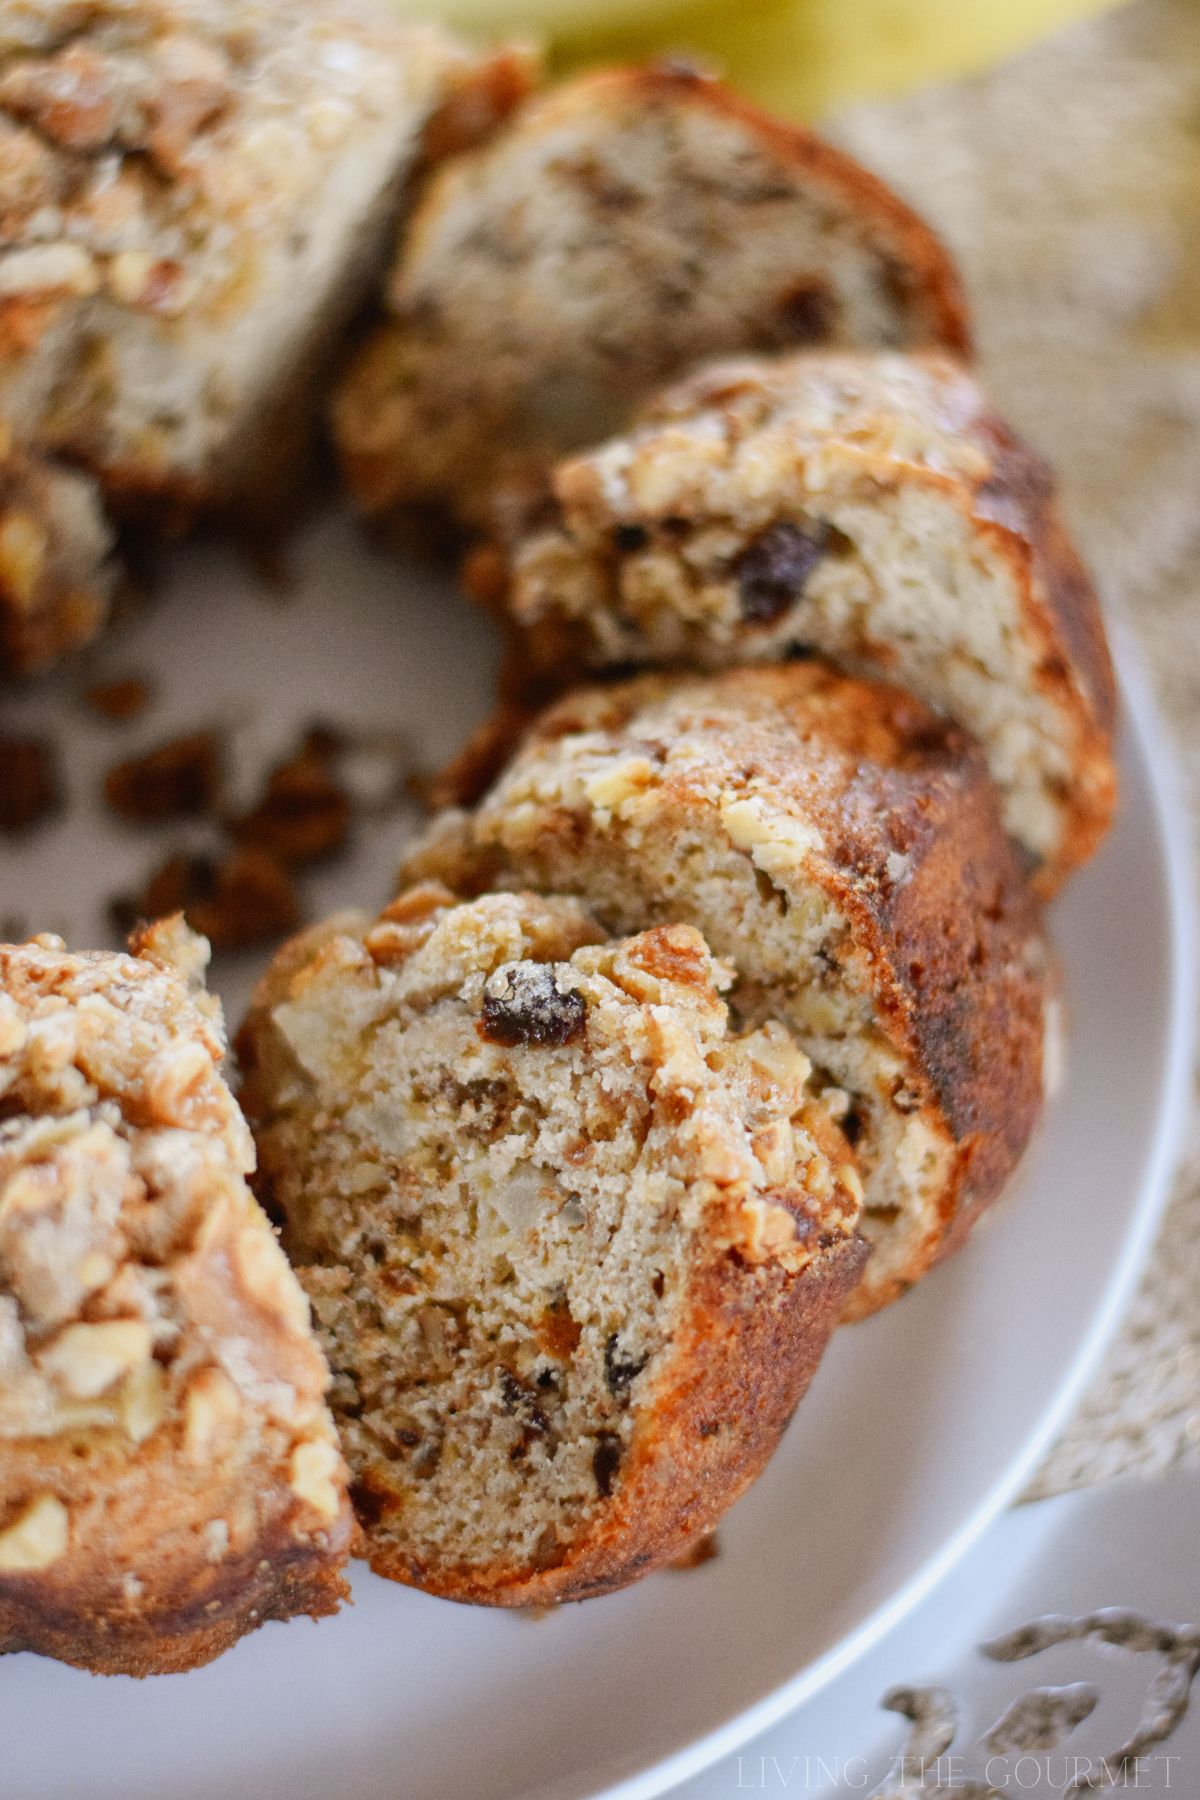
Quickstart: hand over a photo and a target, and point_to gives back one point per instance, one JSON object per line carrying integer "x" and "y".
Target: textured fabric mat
{"x": 1068, "y": 183}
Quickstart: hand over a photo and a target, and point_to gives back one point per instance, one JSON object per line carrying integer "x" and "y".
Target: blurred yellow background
{"x": 802, "y": 57}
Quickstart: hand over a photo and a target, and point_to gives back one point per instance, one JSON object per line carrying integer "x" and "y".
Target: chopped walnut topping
{"x": 119, "y": 700}
{"x": 179, "y": 779}
{"x": 211, "y": 1407}
{"x": 143, "y": 1401}
{"x": 24, "y": 543}
{"x": 36, "y": 1539}
{"x": 89, "y": 1359}
{"x": 315, "y": 1468}
{"x": 769, "y": 1229}
{"x": 267, "y": 1279}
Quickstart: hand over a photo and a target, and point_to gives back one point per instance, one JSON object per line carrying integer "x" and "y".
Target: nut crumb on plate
{"x": 236, "y": 901}
{"x": 30, "y": 783}
{"x": 120, "y": 698}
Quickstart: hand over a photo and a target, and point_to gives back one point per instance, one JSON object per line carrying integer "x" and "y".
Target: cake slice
{"x": 195, "y": 198}
{"x": 57, "y": 569}
{"x": 169, "y": 1473}
{"x": 574, "y": 1246}
{"x": 870, "y": 507}
{"x": 620, "y": 229}
{"x": 841, "y": 846}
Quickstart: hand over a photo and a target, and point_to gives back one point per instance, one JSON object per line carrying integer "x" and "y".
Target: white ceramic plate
{"x": 919, "y": 1427}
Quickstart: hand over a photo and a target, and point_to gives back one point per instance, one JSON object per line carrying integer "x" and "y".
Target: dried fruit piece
{"x": 606, "y": 1460}
{"x": 808, "y": 313}
{"x": 620, "y": 1372}
{"x": 772, "y": 571}
{"x": 524, "y": 1004}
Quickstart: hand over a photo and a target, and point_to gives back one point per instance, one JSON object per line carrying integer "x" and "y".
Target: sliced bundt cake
{"x": 574, "y": 1246}
{"x": 842, "y": 847}
{"x": 169, "y": 1473}
{"x": 618, "y": 230}
{"x": 867, "y": 506}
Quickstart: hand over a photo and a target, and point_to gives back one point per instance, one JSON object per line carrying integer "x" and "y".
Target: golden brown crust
{"x": 1019, "y": 502}
{"x": 744, "y": 1361}
{"x": 184, "y": 1612}
{"x": 478, "y": 100}
{"x": 927, "y": 278}
{"x": 901, "y": 834}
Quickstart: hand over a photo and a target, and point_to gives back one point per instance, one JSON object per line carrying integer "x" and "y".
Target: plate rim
{"x": 1140, "y": 716}
{"x": 670, "y": 1753}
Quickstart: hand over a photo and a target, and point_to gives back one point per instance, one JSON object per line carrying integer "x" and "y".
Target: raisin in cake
{"x": 867, "y": 506}
{"x": 169, "y": 1473}
{"x": 842, "y": 847}
{"x": 620, "y": 229}
{"x": 574, "y": 1247}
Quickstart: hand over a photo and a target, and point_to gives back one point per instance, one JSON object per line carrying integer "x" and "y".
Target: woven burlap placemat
{"x": 1068, "y": 183}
